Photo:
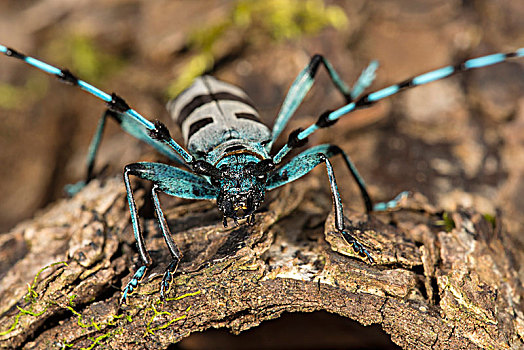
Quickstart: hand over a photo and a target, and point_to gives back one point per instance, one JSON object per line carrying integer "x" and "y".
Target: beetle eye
{"x": 204, "y": 168}
{"x": 263, "y": 167}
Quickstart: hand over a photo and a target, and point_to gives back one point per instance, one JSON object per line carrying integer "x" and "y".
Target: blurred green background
{"x": 459, "y": 142}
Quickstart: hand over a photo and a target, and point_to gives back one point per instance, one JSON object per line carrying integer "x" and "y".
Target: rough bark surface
{"x": 440, "y": 280}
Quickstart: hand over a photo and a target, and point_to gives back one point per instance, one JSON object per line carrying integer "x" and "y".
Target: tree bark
{"x": 440, "y": 280}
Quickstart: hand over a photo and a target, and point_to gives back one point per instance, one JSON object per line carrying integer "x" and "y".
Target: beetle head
{"x": 242, "y": 187}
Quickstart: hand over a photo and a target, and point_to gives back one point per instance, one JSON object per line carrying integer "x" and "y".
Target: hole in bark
{"x": 316, "y": 330}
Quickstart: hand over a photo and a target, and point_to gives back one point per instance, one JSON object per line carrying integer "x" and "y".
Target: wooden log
{"x": 441, "y": 280}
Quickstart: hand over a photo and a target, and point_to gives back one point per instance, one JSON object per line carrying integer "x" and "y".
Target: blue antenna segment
{"x": 485, "y": 61}
{"x": 434, "y": 75}
{"x": 115, "y": 103}
{"x": 371, "y": 98}
{"x": 383, "y": 93}
{"x": 94, "y": 91}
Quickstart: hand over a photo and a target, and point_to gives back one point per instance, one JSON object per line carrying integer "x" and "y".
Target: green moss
{"x": 13, "y": 325}
{"x": 156, "y": 313}
{"x": 446, "y": 222}
{"x": 31, "y": 298}
{"x": 492, "y": 219}
{"x": 99, "y": 326}
{"x": 79, "y": 318}
{"x": 31, "y": 292}
{"x": 65, "y": 345}
{"x": 184, "y": 296}
{"x": 468, "y": 305}
{"x": 96, "y": 341}
{"x": 31, "y": 313}
{"x": 71, "y": 299}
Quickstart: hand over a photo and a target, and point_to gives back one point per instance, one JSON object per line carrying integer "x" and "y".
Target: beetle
{"x": 228, "y": 156}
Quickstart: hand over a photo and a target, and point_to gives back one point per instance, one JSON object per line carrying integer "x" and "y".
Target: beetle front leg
{"x": 174, "y": 182}
{"x": 144, "y": 255}
{"x": 167, "y": 278}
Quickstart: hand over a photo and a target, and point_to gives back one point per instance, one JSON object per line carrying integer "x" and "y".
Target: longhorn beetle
{"x": 229, "y": 149}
